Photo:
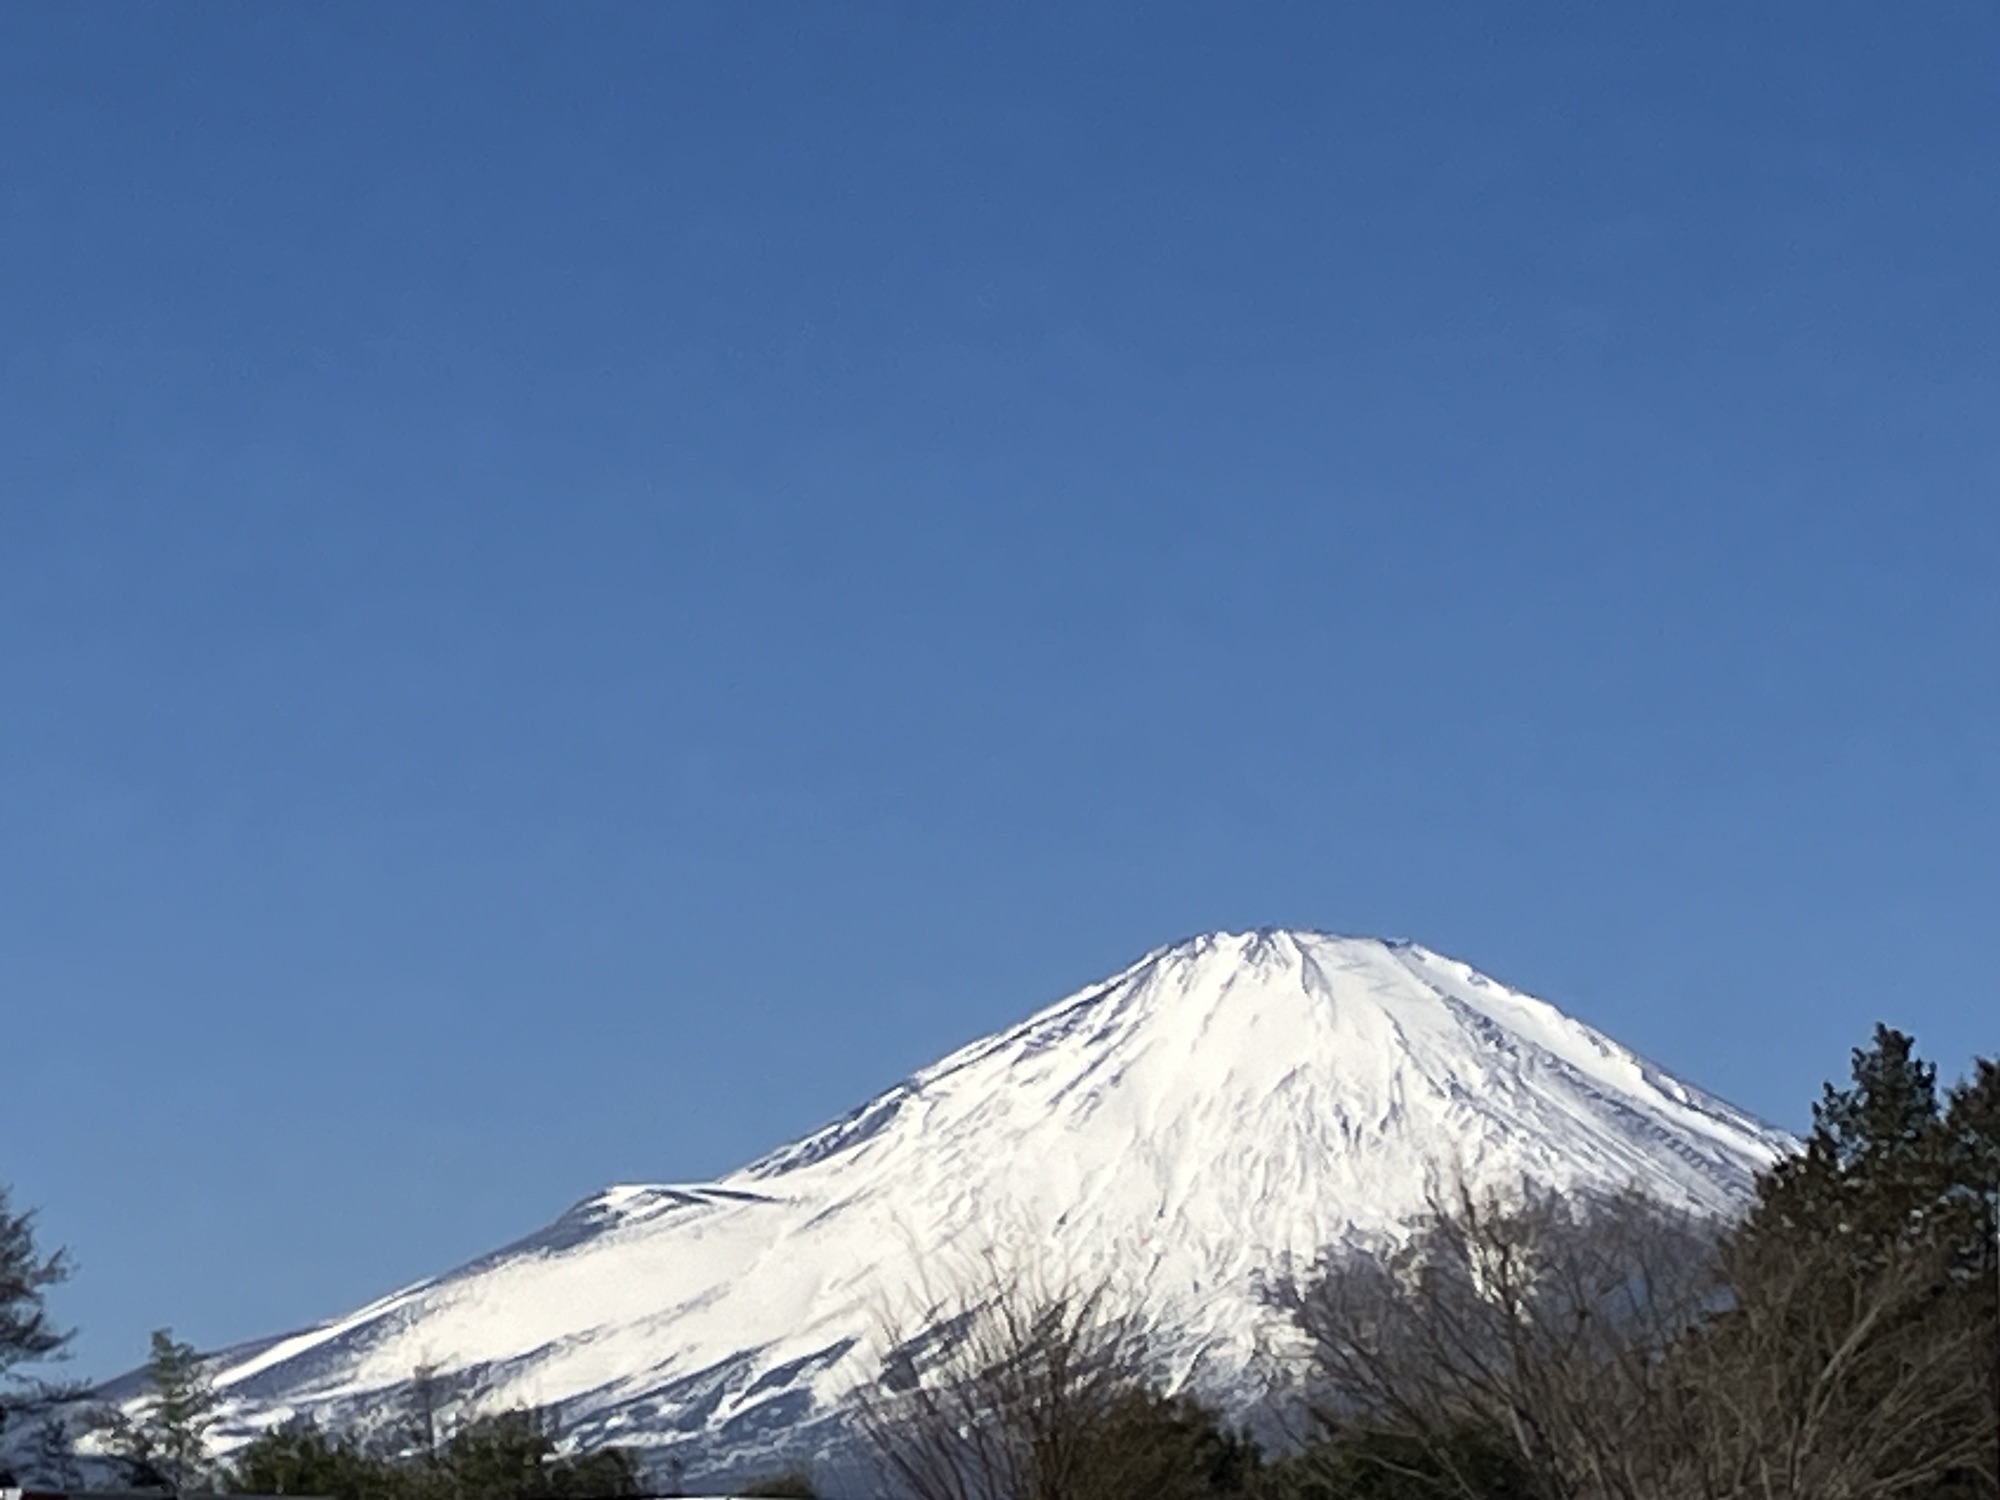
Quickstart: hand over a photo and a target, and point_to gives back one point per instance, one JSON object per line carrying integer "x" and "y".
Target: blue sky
{"x": 581, "y": 588}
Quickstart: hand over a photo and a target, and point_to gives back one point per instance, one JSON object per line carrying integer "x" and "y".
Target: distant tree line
{"x": 1840, "y": 1342}
{"x": 508, "y": 1455}
{"x": 162, "y": 1442}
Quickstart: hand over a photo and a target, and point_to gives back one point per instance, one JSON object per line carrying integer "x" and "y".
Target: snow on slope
{"x": 1222, "y": 1107}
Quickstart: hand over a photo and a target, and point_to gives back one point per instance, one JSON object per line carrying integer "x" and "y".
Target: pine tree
{"x": 26, "y": 1274}
{"x": 172, "y": 1432}
{"x": 1876, "y": 1168}
{"x": 26, "y": 1334}
{"x": 1861, "y": 1288}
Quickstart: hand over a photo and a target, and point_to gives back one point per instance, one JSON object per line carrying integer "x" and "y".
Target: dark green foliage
{"x": 1149, "y": 1446}
{"x": 1890, "y": 1164}
{"x": 1874, "y": 1171}
{"x": 503, "y": 1455}
{"x": 300, "y": 1459}
{"x": 509, "y": 1455}
{"x": 1466, "y": 1463}
{"x": 597, "y": 1473}
{"x": 512, "y": 1455}
{"x": 793, "y": 1484}
{"x": 26, "y": 1274}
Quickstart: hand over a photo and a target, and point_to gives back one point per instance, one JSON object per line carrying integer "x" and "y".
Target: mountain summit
{"x": 1224, "y": 1107}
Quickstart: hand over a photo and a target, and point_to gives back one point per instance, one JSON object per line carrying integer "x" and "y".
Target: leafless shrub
{"x": 1622, "y": 1352}
{"x": 1546, "y": 1322}
{"x": 1838, "y": 1380}
{"x": 1017, "y": 1388}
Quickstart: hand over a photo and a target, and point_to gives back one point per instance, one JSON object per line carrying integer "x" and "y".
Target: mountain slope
{"x": 1222, "y": 1107}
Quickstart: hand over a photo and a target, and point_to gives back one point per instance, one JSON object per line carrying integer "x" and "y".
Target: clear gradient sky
{"x": 582, "y": 587}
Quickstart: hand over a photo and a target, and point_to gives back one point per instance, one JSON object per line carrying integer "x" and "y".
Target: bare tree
{"x": 1014, "y": 1388}
{"x": 1621, "y": 1352}
{"x": 1541, "y": 1324}
{"x": 1832, "y": 1379}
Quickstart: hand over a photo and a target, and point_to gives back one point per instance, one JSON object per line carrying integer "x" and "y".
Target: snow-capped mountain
{"x": 1223, "y": 1107}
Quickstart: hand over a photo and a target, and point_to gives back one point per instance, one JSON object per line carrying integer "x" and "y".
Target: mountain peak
{"x": 1227, "y": 1105}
